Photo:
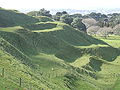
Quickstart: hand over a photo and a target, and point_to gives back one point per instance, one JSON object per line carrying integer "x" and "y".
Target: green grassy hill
{"x": 55, "y": 56}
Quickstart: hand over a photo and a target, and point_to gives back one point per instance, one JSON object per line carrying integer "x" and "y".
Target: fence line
{"x": 45, "y": 78}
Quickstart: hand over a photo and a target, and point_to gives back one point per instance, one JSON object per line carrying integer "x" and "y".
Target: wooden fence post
{"x": 30, "y": 87}
{"x": 20, "y": 83}
{"x": 3, "y": 72}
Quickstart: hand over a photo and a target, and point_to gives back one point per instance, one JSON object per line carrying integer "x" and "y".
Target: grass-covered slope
{"x": 54, "y": 56}
{"x": 40, "y": 76}
{"x": 13, "y": 18}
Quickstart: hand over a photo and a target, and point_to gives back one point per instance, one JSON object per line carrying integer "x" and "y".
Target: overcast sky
{"x": 60, "y": 4}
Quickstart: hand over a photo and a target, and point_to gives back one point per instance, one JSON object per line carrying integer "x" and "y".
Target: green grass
{"x": 55, "y": 56}
{"x": 8, "y": 85}
{"x": 81, "y": 61}
{"x": 10, "y": 29}
{"x": 112, "y": 40}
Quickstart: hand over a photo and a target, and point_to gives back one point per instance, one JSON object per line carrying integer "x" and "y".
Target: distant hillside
{"x": 13, "y": 18}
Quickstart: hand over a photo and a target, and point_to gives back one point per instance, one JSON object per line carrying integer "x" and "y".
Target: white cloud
{"x": 50, "y": 4}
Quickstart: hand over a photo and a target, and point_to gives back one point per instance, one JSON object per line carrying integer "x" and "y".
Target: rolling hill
{"x": 54, "y": 56}
{"x": 10, "y": 18}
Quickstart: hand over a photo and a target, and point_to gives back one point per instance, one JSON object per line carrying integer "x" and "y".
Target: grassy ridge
{"x": 13, "y": 18}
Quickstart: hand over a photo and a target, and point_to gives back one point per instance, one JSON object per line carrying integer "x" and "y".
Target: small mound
{"x": 44, "y": 18}
{"x": 40, "y": 26}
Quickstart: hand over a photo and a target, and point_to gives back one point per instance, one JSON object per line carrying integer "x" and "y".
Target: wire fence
{"x": 44, "y": 78}
{"x": 19, "y": 81}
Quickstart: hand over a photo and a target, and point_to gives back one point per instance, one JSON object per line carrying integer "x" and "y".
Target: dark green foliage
{"x": 66, "y": 19}
{"x": 58, "y": 15}
{"x": 70, "y": 80}
{"x": 97, "y": 16}
{"x": 77, "y": 15}
{"x": 43, "y": 12}
{"x": 77, "y": 23}
{"x": 64, "y": 12}
{"x": 94, "y": 64}
{"x": 110, "y": 21}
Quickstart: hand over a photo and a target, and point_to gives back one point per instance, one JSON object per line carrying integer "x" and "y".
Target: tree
{"x": 93, "y": 30}
{"x": 32, "y": 13}
{"x": 77, "y": 23}
{"x": 66, "y": 19}
{"x": 77, "y": 15}
{"x": 89, "y": 22}
{"x": 64, "y": 12}
{"x": 43, "y": 12}
{"x": 59, "y": 13}
{"x": 116, "y": 29}
{"x": 57, "y": 16}
{"x": 104, "y": 32}
{"x": 97, "y": 16}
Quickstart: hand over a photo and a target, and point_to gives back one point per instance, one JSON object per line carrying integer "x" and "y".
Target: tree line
{"x": 93, "y": 23}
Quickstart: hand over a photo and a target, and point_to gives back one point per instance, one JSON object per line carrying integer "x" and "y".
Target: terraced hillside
{"x": 43, "y": 18}
{"x": 55, "y": 56}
